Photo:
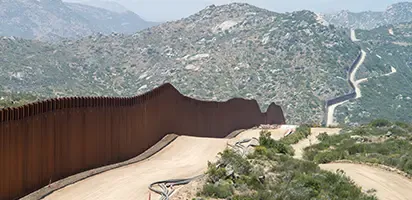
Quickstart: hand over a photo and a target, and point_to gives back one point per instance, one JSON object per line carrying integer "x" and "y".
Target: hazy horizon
{"x": 167, "y": 10}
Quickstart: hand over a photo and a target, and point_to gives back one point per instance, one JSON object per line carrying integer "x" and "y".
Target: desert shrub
{"x": 239, "y": 164}
{"x": 278, "y": 146}
{"x": 309, "y": 153}
{"x": 261, "y": 150}
{"x": 214, "y": 173}
{"x": 380, "y": 123}
{"x": 329, "y": 156}
{"x": 393, "y": 151}
{"x": 220, "y": 189}
{"x": 300, "y": 133}
{"x": 322, "y": 137}
{"x": 278, "y": 178}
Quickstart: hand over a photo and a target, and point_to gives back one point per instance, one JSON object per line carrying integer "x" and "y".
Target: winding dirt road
{"x": 353, "y": 36}
{"x": 185, "y": 157}
{"x": 312, "y": 139}
{"x": 388, "y": 185}
{"x": 353, "y": 75}
{"x": 352, "y": 78}
{"x": 331, "y": 109}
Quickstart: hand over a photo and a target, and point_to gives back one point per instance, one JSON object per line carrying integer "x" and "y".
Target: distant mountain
{"x": 234, "y": 50}
{"x": 105, "y": 4}
{"x": 394, "y": 14}
{"x": 54, "y": 19}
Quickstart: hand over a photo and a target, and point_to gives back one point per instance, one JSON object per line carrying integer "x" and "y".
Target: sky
{"x": 166, "y": 10}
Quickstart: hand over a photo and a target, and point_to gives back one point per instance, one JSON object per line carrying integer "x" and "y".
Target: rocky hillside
{"x": 394, "y": 14}
{"x": 54, "y": 19}
{"x": 384, "y": 96}
{"x": 235, "y": 50}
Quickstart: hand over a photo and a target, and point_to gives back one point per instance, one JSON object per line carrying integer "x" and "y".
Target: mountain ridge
{"x": 51, "y": 20}
{"x": 394, "y": 14}
{"x": 221, "y": 52}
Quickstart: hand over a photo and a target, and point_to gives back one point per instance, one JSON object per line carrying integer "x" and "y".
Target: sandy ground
{"x": 185, "y": 157}
{"x": 311, "y": 140}
{"x": 388, "y": 185}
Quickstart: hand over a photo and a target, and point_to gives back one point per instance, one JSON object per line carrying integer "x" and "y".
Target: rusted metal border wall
{"x": 50, "y": 140}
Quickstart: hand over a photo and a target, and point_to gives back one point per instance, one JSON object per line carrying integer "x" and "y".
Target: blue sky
{"x": 164, "y": 10}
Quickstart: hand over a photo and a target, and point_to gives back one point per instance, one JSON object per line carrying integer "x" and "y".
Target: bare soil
{"x": 185, "y": 157}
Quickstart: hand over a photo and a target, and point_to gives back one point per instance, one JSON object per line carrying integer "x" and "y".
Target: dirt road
{"x": 178, "y": 160}
{"x": 311, "y": 140}
{"x": 185, "y": 157}
{"x": 352, "y": 77}
{"x": 353, "y": 36}
{"x": 389, "y": 185}
{"x": 331, "y": 113}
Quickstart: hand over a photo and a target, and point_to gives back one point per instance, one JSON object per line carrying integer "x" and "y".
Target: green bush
{"x": 265, "y": 140}
{"x": 214, "y": 173}
{"x": 291, "y": 179}
{"x": 239, "y": 164}
{"x": 309, "y": 154}
{"x": 300, "y": 133}
{"x": 393, "y": 151}
{"x": 380, "y": 123}
{"x": 261, "y": 150}
{"x": 219, "y": 190}
{"x": 329, "y": 156}
{"x": 322, "y": 137}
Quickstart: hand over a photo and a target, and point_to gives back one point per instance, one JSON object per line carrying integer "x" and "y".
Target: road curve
{"x": 353, "y": 35}
{"x": 388, "y": 185}
{"x": 312, "y": 139}
{"x": 185, "y": 157}
{"x": 352, "y": 76}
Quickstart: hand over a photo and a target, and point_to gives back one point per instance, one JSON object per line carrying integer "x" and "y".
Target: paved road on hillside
{"x": 185, "y": 157}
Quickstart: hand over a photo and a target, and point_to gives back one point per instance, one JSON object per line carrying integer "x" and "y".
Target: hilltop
{"x": 394, "y": 14}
